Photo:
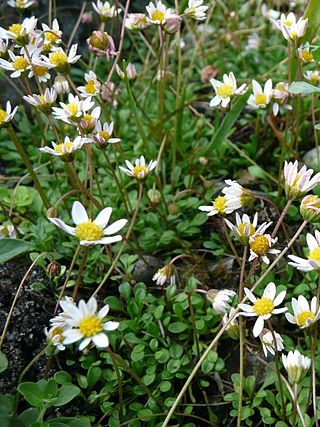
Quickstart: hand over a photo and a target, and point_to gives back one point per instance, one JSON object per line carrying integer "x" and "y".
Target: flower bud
{"x": 232, "y": 328}
{"x": 296, "y": 366}
{"x": 54, "y": 269}
{"x": 172, "y": 24}
{"x": 154, "y": 196}
{"x": 173, "y": 208}
{"x": 52, "y": 212}
{"x": 101, "y": 44}
{"x": 310, "y": 208}
{"x": 209, "y": 72}
{"x": 86, "y": 18}
{"x": 61, "y": 84}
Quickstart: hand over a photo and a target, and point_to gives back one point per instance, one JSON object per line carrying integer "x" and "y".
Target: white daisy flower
{"x": 296, "y": 365}
{"x": 310, "y": 208}
{"x": 303, "y": 314}
{"x": 43, "y": 102}
{"x": 66, "y": 149}
{"x": 268, "y": 344}
{"x": 298, "y": 183}
{"x": 6, "y": 116}
{"x": 52, "y": 36}
{"x": 235, "y": 191}
{"x": 232, "y": 327}
{"x": 281, "y": 96}
{"x": 102, "y": 134}
{"x": 244, "y": 228}
{"x": 269, "y": 13}
{"x": 136, "y": 21}
{"x": 8, "y": 231}
{"x": 60, "y": 321}
{"x": 90, "y": 232}
{"x": 55, "y": 337}
{"x": 226, "y": 90}
{"x": 222, "y": 205}
{"x": 20, "y": 33}
{"x": 220, "y": 299}
{"x": 89, "y": 121}
{"x": 139, "y": 171}
{"x": 158, "y": 13}
{"x": 313, "y": 259}
{"x": 165, "y": 274}
{"x": 59, "y": 60}
{"x": 295, "y": 31}
{"x": 92, "y": 87}
{"x": 74, "y": 110}
{"x": 260, "y": 98}
{"x": 105, "y": 10}
{"x": 261, "y": 244}
{"x": 305, "y": 55}
{"x": 21, "y": 4}
{"x": 263, "y": 307}
{"x": 88, "y": 325}
{"x": 19, "y": 64}
{"x": 313, "y": 76}
{"x": 195, "y": 10}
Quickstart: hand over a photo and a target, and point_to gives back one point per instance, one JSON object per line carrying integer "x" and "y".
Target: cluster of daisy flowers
{"x": 80, "y": 323}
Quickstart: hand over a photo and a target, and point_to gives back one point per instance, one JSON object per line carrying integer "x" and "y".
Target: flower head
{"x": 18, "y": 64}
{"x": 305, "y": 55}
{"x": 225, "y": 90}
{"x": 313, "y": 259}
{"x": 137, "y": 21}
{"x": 268, "y": 343}
{"x": 55, "y": 336}
{"x": 296, "y": 365}
{"x": 101, "y": 44}
{"x": 261, "y": 244}
{"x": 195, "y": 10}
{"x": 281, "y": 96}
{"x": 102, "y": 135}
{"x": 65, "y": 150}
{"x": 260, "y": 98}
{"x": 92, "y": 86}
{"x": 139, "y": 171}
{"x": 298, "y": 183}
{"x": 165, "y": 274}
{"x": 52, "y": 36}
{"x": 43, "y": 102}
{"x": 6, "y": 116}
{"x": 222, "y": 205}
{"x": 21, "y": 4}
{"x": 244, "y": 228}
{"x": 59, "y": 60}
{"x": 91, "y": 232}
{"x": 220, "y": 299}
{"x": 86, "y": 324}
{"x": 105, "y": 10}
{"x": 303, "y": 314}
{"x": 313, "y": 76}
{"x": 310, "y": 208}
{"x": 74, "y": 110}
{"x": 263, "y": 307}
{"x": 20, "y": 33}
{"x": 234, "y": 190}
{"x": 158, "y": 13}
{"x": 61, "y": 84}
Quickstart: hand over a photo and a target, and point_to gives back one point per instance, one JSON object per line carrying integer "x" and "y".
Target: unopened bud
{"x": 172, "y": 24}
{"x": 203, "y": 161}
{"x": 154, "y": 196}
{"x": 173, "y": 208}
{"x": 310, "y": 208}
{"x": 54, "y": 269}
{"x": 61, "y": 84}
{"x": 52, "y": 212}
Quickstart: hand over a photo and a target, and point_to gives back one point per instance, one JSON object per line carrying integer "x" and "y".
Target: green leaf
{"x": 32, "y": 393}
{"x": 11, "y": 248}
{"x": 177, "y": 327}
{"x": 65, "y": 394}
{"x": 3, "y": 362}
{"x": 303, "y": 87}
{"x": 224, "y": 129}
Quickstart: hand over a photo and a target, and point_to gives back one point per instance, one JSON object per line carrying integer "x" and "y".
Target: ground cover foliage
{"x": 160, "y": 201}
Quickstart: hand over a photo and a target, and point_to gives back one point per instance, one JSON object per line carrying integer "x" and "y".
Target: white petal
{"x": 101, "y": 340}
{"x": 103, "y": 217}
{"x": 59, "y": 223}
{"x": 111, "y": 326}
{"x": 258, "y": 326}
{"x": 115, "y": 227}
{"x": 79, "y": 214}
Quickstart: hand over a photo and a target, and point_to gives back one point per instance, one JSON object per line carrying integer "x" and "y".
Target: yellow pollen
{"x": 263, "y": 306}
{"x": 58, "y": 58}
{"x": 65, "y": 147}
{"x": 315, "y": 254}
{"x": 106, "y": 9}
{"x": 90, "y": 87}
{"x": 313, "y": 201}
{"x": 3, "y": 115}
{"x": 88, "y": 117}
{"x": 220, "y": 204}
{"x": 140, "y": 170}
{"x": 260, "y": 245}
{"x": 90, "y": 326}
{"x": 73, "y": 108}
{"x": 261, "y": 99}
{"x": 157, "y": 15}
{"x": 243, "y": 226}
{"x": 142, "y": 20}
{"x": 15, "y": 29}
{"x": 307, "y": 56}
{"x": 40, "y": 70}
{"x": 103, "y": 134}
{"x": 20, "y": 63}
{"x": 58, "y": 332}
{"x": 51, "y": 36}
{"x": 224, "y": 91}
{"x": 303, "y": 317}
{"x": 287, "y": 22}
{"x": 43, "y": 100}
{"x": 89, "y": 231}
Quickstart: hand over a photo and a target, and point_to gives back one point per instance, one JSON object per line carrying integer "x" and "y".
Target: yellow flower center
{"x": 307, "y": 56}
{"x": 220, "y": 204}
{"x": 58, "y": 332}
{"x": 89, "y": 231}
{"x": 138, "y": 170}
{"x": 314, "y": 78}
{"x": 40, "y": 70}
{"x": 15, "y": 29}
{"x": 90, "y": 326}
{"x": 157, "y": 15}
{"x": 261, "y": 99}
{"x": 3, "y": 115}
{"x": 287, "y": 22}
{"x": 88, "y": 117}
{"x": 20, "y": 63}
{"x": 242, "y": 226}
{"x": 106, "y": 9}
{"x": 260, "y": 245}
{"x": 224, "y": 91}
{"x": 303, "y": 317}
{"x": 142, "y": 20}
{"x": 51, "y": 36}
{"x": 263, "y": 306}
{"x": 103, "y": 134}
{"x": 73, "y": 108}
{"x": 99, "y": 41}
{"x": 58, "y": 58}
{"x": 90, "y": 86}
{"x": 65, "y": 147}
{"x": 315, "y": 254}
{"x": 312, "y": 201}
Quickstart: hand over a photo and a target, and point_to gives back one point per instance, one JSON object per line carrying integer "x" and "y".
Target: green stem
{"x": 28, "y": 165}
